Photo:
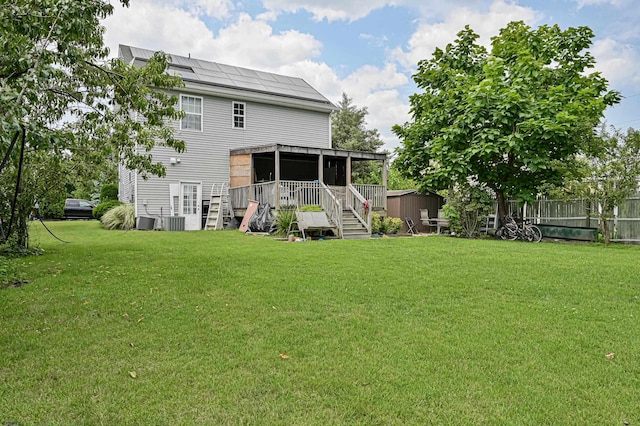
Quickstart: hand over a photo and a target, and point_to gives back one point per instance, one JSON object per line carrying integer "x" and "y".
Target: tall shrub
{"x": 120, "y": 217}
{"x": 466, "y": 208}
{"x": 109, "y": 192}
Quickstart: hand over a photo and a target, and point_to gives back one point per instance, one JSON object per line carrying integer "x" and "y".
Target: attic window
{"x": 239, "y": 115}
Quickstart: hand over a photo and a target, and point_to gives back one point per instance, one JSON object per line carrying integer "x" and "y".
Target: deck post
{"x": 252, "y": 179}
{"x": 321, "y": 168}
{"x": 385, "y": 171}
{"x": 277, "y": 192}
{"x": 348, "y": 170}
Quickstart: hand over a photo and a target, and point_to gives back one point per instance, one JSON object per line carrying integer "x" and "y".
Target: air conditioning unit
{"x": 174, "y": 223}
{"x": 146, "y": 223}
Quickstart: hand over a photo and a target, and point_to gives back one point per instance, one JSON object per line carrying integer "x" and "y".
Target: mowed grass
{"x": 226, "y": 328}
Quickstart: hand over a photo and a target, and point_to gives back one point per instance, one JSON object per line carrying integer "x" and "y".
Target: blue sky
{"x": 369, "y": 49}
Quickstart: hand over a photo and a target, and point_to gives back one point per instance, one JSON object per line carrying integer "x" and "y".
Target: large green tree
{"x": 349, "y": 132}
{"x": 513, "y": 118}
{"x": 65, "y": 106}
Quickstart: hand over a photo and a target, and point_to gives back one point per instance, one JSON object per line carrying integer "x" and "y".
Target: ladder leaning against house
{"x": 220, "y": 210}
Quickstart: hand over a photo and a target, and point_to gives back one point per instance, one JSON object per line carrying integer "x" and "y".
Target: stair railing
{"x": 220, "y": 188}
{"x": 360, "y": 207}
{"x": 331, "y": 205}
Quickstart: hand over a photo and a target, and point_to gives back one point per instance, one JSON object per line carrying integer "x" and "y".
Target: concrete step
{"x": 356, "y": 236}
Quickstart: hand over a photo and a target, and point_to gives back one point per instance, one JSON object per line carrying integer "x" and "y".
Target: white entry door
{"x": 190, "y": 202}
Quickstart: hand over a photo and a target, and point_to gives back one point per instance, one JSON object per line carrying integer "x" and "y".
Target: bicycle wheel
{"x": 528, "y": 235}
{"x": 511, "y": 232}
{"x": 537, "y": 233}
{"x": 498, "y": 234}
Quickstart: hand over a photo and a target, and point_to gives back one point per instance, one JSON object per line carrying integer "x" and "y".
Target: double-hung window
{"x": 239, "y": 115}
{"x": 192, "y": 107}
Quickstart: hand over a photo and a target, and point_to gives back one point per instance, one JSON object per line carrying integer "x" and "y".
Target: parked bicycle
{"x": 512, "y": 230}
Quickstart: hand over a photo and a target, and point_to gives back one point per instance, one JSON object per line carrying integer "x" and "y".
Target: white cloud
{"x": 377, "y": 89}
{"x": 319, "y": 75}
{"x": 219, "y": 9}
{"x": 352, "y": 10}
{"x": 583, "y": 3}
{"x": 386, "y": 109}
{"x": 332, "y": 10}
{"x": 369, "y": 79}
{"x": 618, "y": 63}
{"x": 252, "y": 43}
{"x": 156, "y": 26}
{"x": 428, "y": 36}
{"x": 214, "y": 8}
{"x": 247, "y": 42}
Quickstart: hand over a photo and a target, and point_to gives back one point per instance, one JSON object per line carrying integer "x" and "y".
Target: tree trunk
{"x": 604, "y": 227}
{"x": 502, "y": 206}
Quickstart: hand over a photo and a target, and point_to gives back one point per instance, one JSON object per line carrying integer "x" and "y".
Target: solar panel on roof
{"x": 265, "y": 76}
{"x": 208, "y": 66}
{"x": 248, "y": 73}
{"x": 230, "y": 76}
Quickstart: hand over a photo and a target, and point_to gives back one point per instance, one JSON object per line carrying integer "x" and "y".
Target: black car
{"x": 78, "y": 209}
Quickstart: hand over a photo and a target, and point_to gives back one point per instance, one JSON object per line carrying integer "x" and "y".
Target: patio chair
{"x": 427, "y": 221}
{"x": 424, "y": 217}
{"x": 411, "y": 225}
{"x": 441, "y": 222}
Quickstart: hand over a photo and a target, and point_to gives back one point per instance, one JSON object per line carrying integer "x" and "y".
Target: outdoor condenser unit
{"x": 174, "y": 223}
{"x": 146, "y": 223}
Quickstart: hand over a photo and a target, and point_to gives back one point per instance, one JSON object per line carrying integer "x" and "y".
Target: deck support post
{"x": 385, "y": 171}
{"x": 277, "y": 160}
{"x": 252, "y": 178}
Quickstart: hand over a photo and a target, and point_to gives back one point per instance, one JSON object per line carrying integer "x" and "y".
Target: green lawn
{"x": 429, "y": 330}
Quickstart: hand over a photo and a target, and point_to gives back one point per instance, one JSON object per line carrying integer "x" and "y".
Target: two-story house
{"x": 250, "y": 135}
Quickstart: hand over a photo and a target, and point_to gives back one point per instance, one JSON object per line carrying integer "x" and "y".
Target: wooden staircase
{"x": 352, "y": 229}
{"x": 220, "y": 210}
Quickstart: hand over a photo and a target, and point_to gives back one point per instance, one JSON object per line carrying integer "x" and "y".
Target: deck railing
{"x": 239, "y": 196}
{"x": 331, "y": 205}
{"x": 298, "y": 193}
{"x": 376, "y": 194}
{"x": 360, "y": 206}
{"x": 264, "y": 193}
{"x": 302, "y": 193}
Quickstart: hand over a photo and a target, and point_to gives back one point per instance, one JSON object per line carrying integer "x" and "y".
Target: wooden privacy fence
{"x": 624, "y": 225}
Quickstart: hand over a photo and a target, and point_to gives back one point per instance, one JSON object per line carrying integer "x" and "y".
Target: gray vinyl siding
{"x": 127, "y": 182}
{"x": 206, "y": 158}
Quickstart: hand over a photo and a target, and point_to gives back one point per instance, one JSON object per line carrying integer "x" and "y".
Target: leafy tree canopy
{"x": 61, "y": 98}
{"x": 512, "y": 119}
{"x": 348, "y": 128}
{"x": 349, "y": 132}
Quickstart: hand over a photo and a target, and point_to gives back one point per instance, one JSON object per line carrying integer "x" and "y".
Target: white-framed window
{"x": 192, "y": 107}
{"x": 239, "y": 111}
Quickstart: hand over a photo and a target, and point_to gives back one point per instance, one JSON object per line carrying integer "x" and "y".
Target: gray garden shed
{"x": 408, "y": 203}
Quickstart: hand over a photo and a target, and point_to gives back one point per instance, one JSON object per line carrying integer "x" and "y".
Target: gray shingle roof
{"x": 215, "y": 74}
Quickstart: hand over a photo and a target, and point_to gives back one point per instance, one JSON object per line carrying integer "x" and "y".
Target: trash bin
{"x": 146, "y": 223}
